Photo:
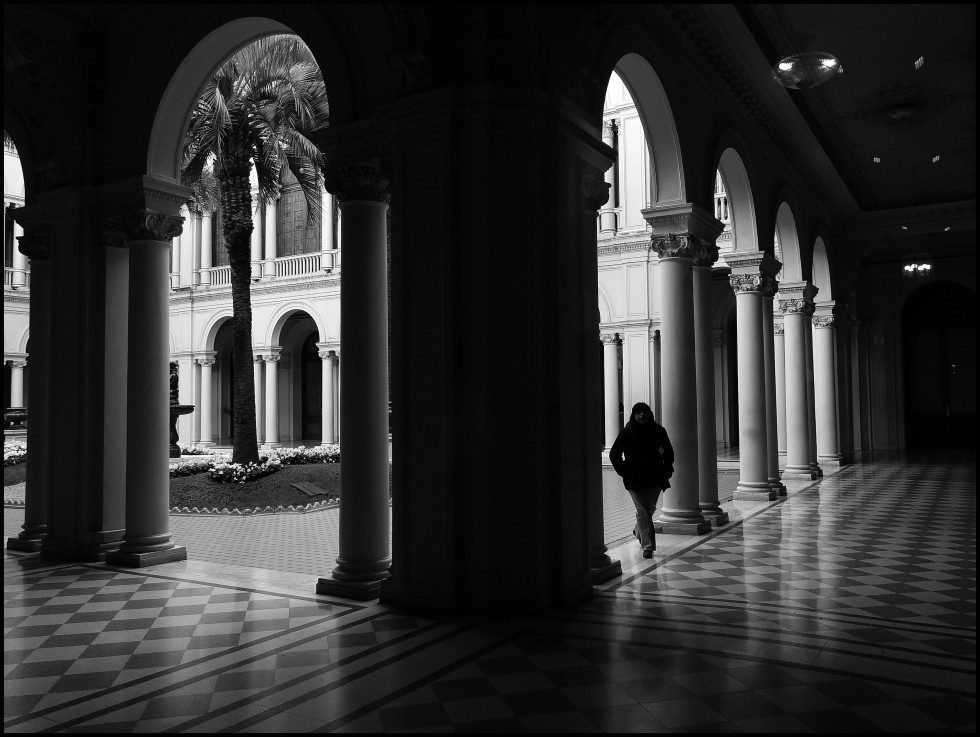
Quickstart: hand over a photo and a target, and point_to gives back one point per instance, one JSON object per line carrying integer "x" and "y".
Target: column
{"x": 37, "y": 248}
{"x": 207, "y": 245}
{"x": 810, "y": 398}
{"x": 747, "y": 281}
{"x": 704, "y": 355}
{"x": 657, "y": 404}
{"x": 256, "y": 252}
{"x": 147, "y": 540}
{"x": 327, "y": 250}
{"x": 365, "y": 516}
{"x": 191, "y": 248}
{"x": 793, "y": 306}
{"x": 271, "y": 399}
{"x": 779, "y": 361}
{"x": 336, "y": 397}
{"x": 17, "y": 383}
{"x": 269, "y": 265}
{"x": 18, "y": 277}
{"x": 769, "y": 288}
{"x": 610, "y": 383}
{"x": 206, "y": 408}
{"x": 681, "y": 512}
{"x": 327, "y": 398}
{"x": 825, "y": 384}
{"x": 259, "y": 406}
{"x": 607, "y": 215}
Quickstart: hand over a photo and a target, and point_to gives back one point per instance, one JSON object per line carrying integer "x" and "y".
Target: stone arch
{"x": 211, "y": 328}
{"x": 284, "y": 312}
{"x": 605, "y": 306}
{"x": 789, "y": 244}
{"x": 184, "y": 87}
{"x": 821, "y": 270}
{"x": 745, "y": 233}
{"x": 20, "y": 342}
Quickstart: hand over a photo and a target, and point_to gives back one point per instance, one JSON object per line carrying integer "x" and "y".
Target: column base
{"x": 682, "y": 528}
{"x": 799, "y": 472}
{"x": 753, "y": 495}
{"x": 816, "y": 470}
{"x": 777, "y": 487}
{"x": 831, "y": 460}
{"x": 360, "y": 590}
{"x": 24, "y": 545}
{"x": 606, "y": 571}
{"x": 142, "y": 560}
{"x": 716, "y": 518}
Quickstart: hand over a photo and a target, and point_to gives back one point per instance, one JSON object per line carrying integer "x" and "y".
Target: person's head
{"x": 641, "y": 414}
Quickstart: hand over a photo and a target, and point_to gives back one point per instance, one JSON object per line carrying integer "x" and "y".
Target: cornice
{"x": 259, "y": 289}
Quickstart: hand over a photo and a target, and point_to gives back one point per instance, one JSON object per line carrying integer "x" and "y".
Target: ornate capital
{"x": 770, "y": 285}
{"x": 205, "y": 362}
{"x": 609, "y": 339}
{"x": 141, "y": 225}
{"x": 705, "y": 254}
{"x": 825, "y": 321}
{"x": 271, "y": 358}
{"x": 609, "y": 129}
{"x": 35, "y": 246}
{"x": 18, "y": 364}
{"x": 656, "y": 337}
{"x": 746, "y": 282}
{"x": 327, "y": 355}
{"x": 674, "y": 245}
{"x": 257, "y": 359}
{"x": 366, "y": 180}
{"x": 596, "y": 191}
{"x": 778, "y": 328}
{"x": 793, "y": 306}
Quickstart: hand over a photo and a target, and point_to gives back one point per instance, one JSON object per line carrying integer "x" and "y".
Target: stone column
{"x": 269, "y": 265}
{"x": 327, "y": 249}
{"x": 18, "y": 277}
{"x": 810, "y": 397}
{"x": 704, "y": 355}
{"x": 327, "y": 398}
{"x": 206, "y": 408}
{"x": 747, "y": 281}
{"x": 365, "y": 514}
{"x": 657, "y": 404}
{"x": 336, "y": 398}
{"x": 769, "y": 289}
{"x": 147, "y": 540}
{"x": 825, "y": 384}
{"x": 259, "y": 405}
{"x": 256, "y": 252}
{"x": 271, "y": 400}
{"x": 607, "y": 215}
{"x": 610, "y": 382}
{"x": 17, "y": 383}
{"x": 681, "y": 512}
{"x": 207, "y": 246}
{"x": 793, "y": 306}
{"x": 779, "y": 361}
{"x": 34, "y": 530}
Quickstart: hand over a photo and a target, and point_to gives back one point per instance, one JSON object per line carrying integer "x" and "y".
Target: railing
{"x": 220, "y": 276}
{"x": 16, "y": 278}
{"x": 304, "y": 263}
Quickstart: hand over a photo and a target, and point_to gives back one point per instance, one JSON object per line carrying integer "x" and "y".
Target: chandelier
{"x": 806, "y": 70}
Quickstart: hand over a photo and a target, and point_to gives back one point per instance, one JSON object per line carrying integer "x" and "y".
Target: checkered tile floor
{"x": 849, "y": 605}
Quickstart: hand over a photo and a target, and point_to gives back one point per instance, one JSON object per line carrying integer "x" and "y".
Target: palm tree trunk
{"x": 236, "y": 205}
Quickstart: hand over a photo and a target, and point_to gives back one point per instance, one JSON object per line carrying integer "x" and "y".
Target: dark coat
{"x": 643, "y": 456}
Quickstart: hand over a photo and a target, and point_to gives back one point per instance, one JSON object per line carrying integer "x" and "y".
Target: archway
{"x": 939, "y": 362}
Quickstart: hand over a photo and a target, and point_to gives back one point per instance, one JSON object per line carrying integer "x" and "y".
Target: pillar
{"x": 271, "y": 399}
{"x": 825, "y": 384}
{"x": 327, "y": 398}
{"x": 259, "y": 406}
{"x": 147, "y": 540}
{"x": 35, "y": 246}
{"x": 17, "y": 383}
{"x": 657, "y": 404}
{"x": 681, "y": 511}
{"x": 792, "y": 303}
{"x": 610, "y": 383}
{"x": 704, "y": 355}
{"x": 207, "y": 246}
{"x": 206, "y": 407}
{"x": 607, "y": 215}
{"x": 810, "y": 397}
{"x": 18, "y": 277}
{"x": 779, "y": 364}
{"x": 769, "y": 288}
{"x": 747, "y": 281}
{"x": 256, "y": 253}
{"x": 365, "y": 514}
{"x": 327, "y": 249}
{"x": 269, "y": 264}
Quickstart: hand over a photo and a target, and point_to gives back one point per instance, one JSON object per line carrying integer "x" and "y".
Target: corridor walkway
{"x": 849, "y": 605}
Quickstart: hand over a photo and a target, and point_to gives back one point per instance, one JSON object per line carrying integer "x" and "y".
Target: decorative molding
{"x": 825, "y": 321}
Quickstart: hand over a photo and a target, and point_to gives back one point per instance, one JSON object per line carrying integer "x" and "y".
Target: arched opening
{"x": 939, "y": 332}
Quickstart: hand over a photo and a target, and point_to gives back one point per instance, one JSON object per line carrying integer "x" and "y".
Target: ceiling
{"x": 882, "y": 106}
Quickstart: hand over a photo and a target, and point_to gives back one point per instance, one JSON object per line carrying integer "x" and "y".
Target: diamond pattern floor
{"x": 849, "y": 605}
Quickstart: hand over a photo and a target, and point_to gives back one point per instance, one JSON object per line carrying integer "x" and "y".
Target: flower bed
{"x": 14, "y": 452}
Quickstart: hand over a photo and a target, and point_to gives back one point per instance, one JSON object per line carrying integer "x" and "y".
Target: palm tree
{"x": 257, "y": 110}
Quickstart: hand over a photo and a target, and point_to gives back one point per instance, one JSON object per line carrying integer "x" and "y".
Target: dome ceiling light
{"x": 806, "y": 70}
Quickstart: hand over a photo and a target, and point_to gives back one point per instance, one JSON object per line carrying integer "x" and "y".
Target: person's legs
{"x": 645, "y": 501}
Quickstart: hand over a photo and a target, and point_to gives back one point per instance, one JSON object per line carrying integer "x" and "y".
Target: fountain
{"x": 176, "y": 410}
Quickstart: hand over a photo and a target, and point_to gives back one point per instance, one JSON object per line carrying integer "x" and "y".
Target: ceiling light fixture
{"x": 806, "y": 70}
{"x": 877, "y": 160}
{"x": 935, "y": 158}
{"x": 919, "y": 62}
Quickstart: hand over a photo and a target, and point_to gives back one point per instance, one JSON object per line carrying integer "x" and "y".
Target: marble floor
{"x": 847, "y": 605}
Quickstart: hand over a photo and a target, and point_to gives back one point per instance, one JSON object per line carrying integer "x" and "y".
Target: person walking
{"x": 643, "y": 456}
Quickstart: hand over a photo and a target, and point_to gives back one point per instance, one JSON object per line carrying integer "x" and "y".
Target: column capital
{"x": 17, "y": 364}
{"x": 361, "y": 181}
{"x": 825, "y": 321}
{"x": 609, "y": 128}
{"x": 705, "y": 254}
{"x": 743, "y": 283}
{"x": 327, "y": 355}
{"x": 609, "y": 338}
{"x": 271, "y": 357}
{"x": 684, "y": 219}
{"x": 656, "y": 336}
{"x": 675, "y": 245}
{"x": 140, "y": 225}
{"x": 205, "y": 361}
{"x": 36, "y": 246}
{"x": 257, "y": 358}
{"x": 596, "y": 192}
{"x": 778, "y": 328}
